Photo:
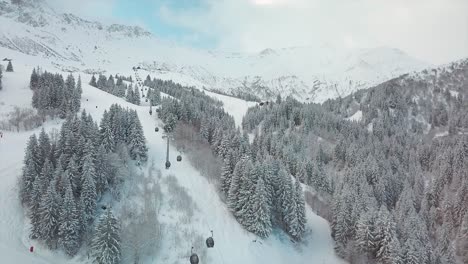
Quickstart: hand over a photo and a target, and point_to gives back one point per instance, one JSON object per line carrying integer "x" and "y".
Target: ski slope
{"x": 233, "y": 243}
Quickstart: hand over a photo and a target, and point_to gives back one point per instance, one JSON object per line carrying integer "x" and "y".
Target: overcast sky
{"x": 433, "y": 30}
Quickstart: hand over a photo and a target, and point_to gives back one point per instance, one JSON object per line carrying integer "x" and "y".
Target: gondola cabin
{"x": 210, "y": 241}
{"x": 179, "y": 158}
{"x": 156, "y": 129}
{"x": 194, "y": 258}
{"x": 168, "y": 165}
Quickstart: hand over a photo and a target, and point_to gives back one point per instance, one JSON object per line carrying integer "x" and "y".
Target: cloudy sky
{"x": 433, "y": 30}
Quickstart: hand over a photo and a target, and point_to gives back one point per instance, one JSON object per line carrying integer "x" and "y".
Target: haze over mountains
{"x": 312, "y": 73}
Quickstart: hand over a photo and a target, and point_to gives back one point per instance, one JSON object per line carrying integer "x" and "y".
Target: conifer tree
{"x": 288, "y": 206}
{"x": 30, "y": 171}
{"x": 136, "y": 96}
{"x": 106, "y": 242}
{"x": 129, "y": 96}
{"x": 69, "y": 227}
{"x": 88, "y": 193}
{"x": 233, "y": 193}
{"x": 34, "y": 208}
{"x": 107, "y": 138}
{"x": 261, "y": 212}
{"x": 300, "y": 207}
{"x": 74, "y": 174}
{"x": 226, "y": 174}
{"x": 49, "y": 216}
{"x": 93, "y": 81}
{"x": 44, "y": 146}
{"x": 137, "y": 146}
{"x": 79, "y": 87}
{"x": 101, "y": 170}
{"x": 9, "y": 67}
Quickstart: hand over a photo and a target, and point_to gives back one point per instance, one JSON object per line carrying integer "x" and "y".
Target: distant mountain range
{"x": 313, "y": 73}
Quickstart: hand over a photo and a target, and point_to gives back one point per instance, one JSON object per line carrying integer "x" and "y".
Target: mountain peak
{"x": 267, "y": 52}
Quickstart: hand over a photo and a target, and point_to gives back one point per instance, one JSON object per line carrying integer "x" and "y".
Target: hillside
{"x": 389, "y": 161}
{"x": 181, "y": 227}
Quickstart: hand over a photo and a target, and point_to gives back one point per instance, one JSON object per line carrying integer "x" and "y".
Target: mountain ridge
{"x": 317, "y": 72}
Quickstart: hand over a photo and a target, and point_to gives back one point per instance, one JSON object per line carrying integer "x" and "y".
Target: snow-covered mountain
{"x": 313, "y": 73}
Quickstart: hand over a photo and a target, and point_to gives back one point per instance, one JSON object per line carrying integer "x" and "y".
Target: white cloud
{"x": 433, "y": 30}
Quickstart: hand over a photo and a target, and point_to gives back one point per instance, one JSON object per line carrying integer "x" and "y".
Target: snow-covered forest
{"x": 67, "y": 174}
{"x": 395, "y": 180}
{"x": 122, "y": 146}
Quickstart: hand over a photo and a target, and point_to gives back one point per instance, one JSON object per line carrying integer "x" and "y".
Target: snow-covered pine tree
{"x": 233, "y": 193}
{"x": 386, "y": 233}
{"x": 170, "y": 123}
{"x": 44, "y": 146}
{"x": 79, "y": 87}
{"x": 155, "y": 97}
{"x": 93, "y": 81}
{"x": 412, "y": 253}
{"x": 136, "y": 96}
{"x": 101, "y": 171}
{"x": 300, "y": 208}
{"x": 288, "y": 205}
{"x": 137, "y": 146}
{"x": 64, "y": 108}
{"x": 107, "y": 138}
{"x": 246, "y": 188}
{"x": 129, "y": 96}
{"x": 34, "y": 208}
{"x": 49, "y": 215}
{"x": 30, "y": 172}
{"x": 226, "y": 174}
{"x": 106, "y": 242}
{"x": 70, "y": 84}
{"x": 88, "y": 192}
{"x": 75, "y": 176}
{"x": 365, "y": 233}
{"x": 69, "y": 227}
{"x": 58, "y": 176}
{"x": 47, "y": 174}
{"x": 75, "y": 101}
{"x": 9, "y": 67}
{"x": 110, "y": 84}
{"x": 102, "y": 82}
{"x": 261, "y": 211}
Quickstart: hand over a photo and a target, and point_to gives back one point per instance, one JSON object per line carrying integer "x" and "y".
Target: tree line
{"x": 52, "y": 95}
{"x": 115, "y": 85}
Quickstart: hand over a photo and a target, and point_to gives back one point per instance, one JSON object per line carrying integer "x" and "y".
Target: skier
{"x": 31, "y": 249}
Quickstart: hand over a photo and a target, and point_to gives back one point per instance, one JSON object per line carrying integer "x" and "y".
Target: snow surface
{"x": 233, "y": 243}
{"x": 356, "y": 117}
